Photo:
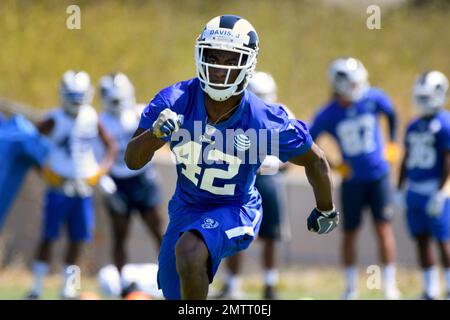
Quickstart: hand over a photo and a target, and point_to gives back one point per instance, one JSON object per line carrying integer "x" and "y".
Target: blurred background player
{"x": 129, "y": 189}
{"x": 425, "y": 169}
{"x": 21, "y": 147}
{"x": 271, "y": 187}
{"x": 351, "y": 118}
{"x": 71, "y": 171}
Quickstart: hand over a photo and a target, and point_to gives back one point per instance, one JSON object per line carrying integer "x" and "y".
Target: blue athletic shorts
{"x": 419, "y": 222}
{"x": 357, "y": 195}
{"x": 271, "y": 189}
{"x": 76, "y": 213}
{"x": 138, "y": 193}
{"x": 225, "y": 231}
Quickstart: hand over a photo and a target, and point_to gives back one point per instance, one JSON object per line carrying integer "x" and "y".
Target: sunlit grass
{"x": 299, "y": 282}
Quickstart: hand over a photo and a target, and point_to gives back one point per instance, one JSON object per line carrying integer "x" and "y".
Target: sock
{"x": 40, "y": 270}
{"x": 351, "y": 278}
{"x": 234, "y": 282}
{"x": 447, "y": 279}
{"x": 431, "y": 281}
{"x": 271, "y": 277}
{"x": 389, "y": 281}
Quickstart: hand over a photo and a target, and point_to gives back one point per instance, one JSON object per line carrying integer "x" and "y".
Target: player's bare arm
{"x": 318, "y": 174}
{"x": 45, "y": 126}
{"x": 402, "y": 173}
{"x": 141, "y": 148}
{"x": 111, "y": 148}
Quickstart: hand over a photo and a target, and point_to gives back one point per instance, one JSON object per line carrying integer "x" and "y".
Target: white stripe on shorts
{"x": 239, "y": 231}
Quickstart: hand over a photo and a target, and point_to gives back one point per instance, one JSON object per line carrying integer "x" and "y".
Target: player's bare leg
{"x": 44, "y": 251}
{"x": 444, "y": 250}
{"x": 349, "y": 262}
{"x": 73, "y": 252}
{"x": 153, "y": 221}
{"x": 120, "y": 224}
{"x": 192, "y": 263}
{"x": 386, "y": 242}
{"x": 40, "y": 268}
{"x": 270, "y": 270}
{"x": 387, "y": 252}
{"x": 427, "y": 262}
{"x": 232, "y": 285}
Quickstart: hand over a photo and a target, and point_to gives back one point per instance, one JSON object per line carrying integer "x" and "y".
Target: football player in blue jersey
{"x": 425, "y": 170}
{"x": 220, "y": 133}
{"x": 351, "y": 118}
{"x": 125, "y": 190}
{"x": 25, "y": 148}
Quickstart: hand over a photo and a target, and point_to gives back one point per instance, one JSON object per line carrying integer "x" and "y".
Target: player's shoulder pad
{"x": 377, "y": 93}
{"x": 268, "y": 115}
{"x": 175, "y": 95}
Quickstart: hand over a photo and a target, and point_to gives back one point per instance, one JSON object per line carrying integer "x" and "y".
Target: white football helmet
{"x": 430, "y": 92}
{"x": 75, "y": 90}
{"x": 348, "y": 78}
{"x": 117, "y": 93}
{"x": 228, "y": 33}
{"x": 263, "y": 85}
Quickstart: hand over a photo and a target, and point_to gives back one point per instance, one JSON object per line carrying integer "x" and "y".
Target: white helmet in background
{"x": 228, "y": 33}
{"x": 117, "y": 93}
{"x": 263, "y": 85}
{"x": 430, "y": 92}
{"x": 348, "y": 78}
{"x": 75, "y": 90}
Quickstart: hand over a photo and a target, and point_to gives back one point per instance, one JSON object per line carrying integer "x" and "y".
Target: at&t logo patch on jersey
{"x": 242, "y": 142}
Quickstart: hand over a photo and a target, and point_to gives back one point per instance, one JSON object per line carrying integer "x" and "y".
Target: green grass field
{"x": 296, "y": 283}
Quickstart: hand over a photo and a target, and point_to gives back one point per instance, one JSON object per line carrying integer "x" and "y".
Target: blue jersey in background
{"x": 21, "y": 146}
{"x": 427, "y": 140}
{"x": 357, "y": 130}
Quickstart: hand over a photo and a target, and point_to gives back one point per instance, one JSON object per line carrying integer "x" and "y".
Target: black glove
{"x": 322, "y": 222}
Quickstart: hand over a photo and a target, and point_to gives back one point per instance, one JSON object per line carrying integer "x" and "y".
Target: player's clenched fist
{"x": 323, "y": 222}
{"x": 167, "y": 123}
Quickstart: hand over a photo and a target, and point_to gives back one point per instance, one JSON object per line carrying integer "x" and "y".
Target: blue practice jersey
{"x": 21, "y": 146}
{"x": 357, "y": 130}
{"x": 426, "y": 141}
{"x": 216, "y": 166}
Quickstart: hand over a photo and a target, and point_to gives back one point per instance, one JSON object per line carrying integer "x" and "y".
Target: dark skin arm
{"x": 402, "y": 175}
{"x": 45, "y": 127}
{"x": 318, "y": 173}
{"x": 141, "y": 148}
{"x": 111, "y": 148}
